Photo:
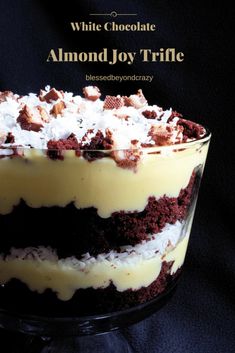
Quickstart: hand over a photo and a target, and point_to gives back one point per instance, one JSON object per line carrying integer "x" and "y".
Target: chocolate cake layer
{"x": 74, "y": 232}
{"x": 17, "y": 297}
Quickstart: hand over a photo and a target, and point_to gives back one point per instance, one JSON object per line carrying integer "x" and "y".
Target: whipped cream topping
{"x": 131, "y": 122}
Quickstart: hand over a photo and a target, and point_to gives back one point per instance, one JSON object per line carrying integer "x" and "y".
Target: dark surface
{"x": 201, "y": 316}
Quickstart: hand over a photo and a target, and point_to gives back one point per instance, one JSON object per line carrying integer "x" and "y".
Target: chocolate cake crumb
{"x": 10, "y": 138}
{"x": 174, "y": 114}
{"x": 191, "y": 130}
{"x": 98, "y": 142}
{"x": 149, "y": 114}
{"x": 55, "y": 147}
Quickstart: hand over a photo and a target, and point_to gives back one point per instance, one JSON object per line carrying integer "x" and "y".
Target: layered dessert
{"x": 96, "y": 200}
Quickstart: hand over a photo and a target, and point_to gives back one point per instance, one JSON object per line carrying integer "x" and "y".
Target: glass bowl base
{"x": 55, "y": 335}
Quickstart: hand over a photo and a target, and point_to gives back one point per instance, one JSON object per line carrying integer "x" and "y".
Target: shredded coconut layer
{"x": 168, "y": 238}
{"x": 34, "y": 120}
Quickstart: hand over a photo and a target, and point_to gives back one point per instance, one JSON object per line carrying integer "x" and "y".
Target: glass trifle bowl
{"x": 91, "y": 231}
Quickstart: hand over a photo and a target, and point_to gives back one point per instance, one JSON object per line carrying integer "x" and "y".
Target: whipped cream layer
{"x": 102, "y": 184}
{"x": 132, "y": 268}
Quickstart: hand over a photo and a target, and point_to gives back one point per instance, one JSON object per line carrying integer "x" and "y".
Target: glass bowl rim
{"x": 148, "y": 149}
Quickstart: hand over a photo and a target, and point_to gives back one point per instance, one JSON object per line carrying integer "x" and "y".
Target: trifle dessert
{"x": 96, "y": 200}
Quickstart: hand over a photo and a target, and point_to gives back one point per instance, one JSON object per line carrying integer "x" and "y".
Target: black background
{"x": 200, "y": 317}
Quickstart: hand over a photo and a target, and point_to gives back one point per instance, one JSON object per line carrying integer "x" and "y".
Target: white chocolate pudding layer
{"x": 102, "y": 184}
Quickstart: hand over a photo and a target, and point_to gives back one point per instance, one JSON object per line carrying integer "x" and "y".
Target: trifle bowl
{"x": 97, "y": 199}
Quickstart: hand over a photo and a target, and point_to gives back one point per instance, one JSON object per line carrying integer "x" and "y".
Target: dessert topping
{"x": 149, "y": 114}
{"x": 10, "y": 138}
{"x": 137, "y": 100}
{"x": 166, "y": 135}
{"x": 6, "y": 94}
{"x": 57, "y": 108}
{"x": 113, "y": 102}
{"x": 26, "y": 120}
{"x": 92, "y": 93}
{"x": 55, "y": 147}
{"x": 52, "y": 95}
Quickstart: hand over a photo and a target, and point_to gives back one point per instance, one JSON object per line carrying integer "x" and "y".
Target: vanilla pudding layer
{"x": 102, "y": 184}
{"x": 132, "y": 268}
